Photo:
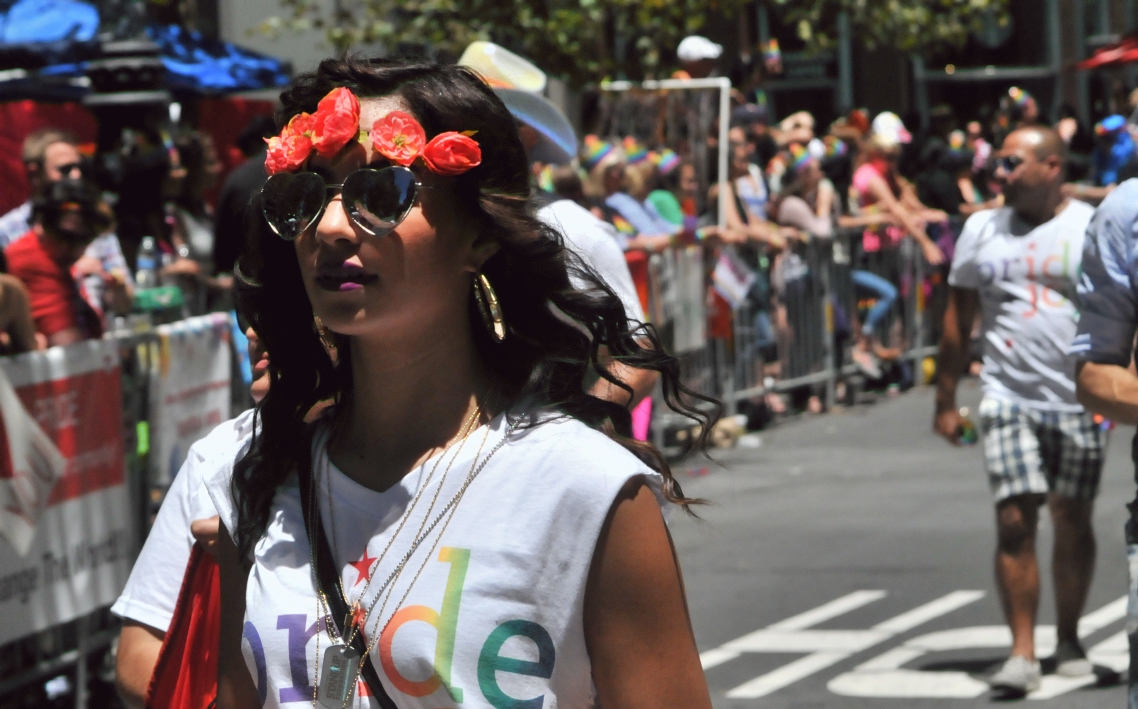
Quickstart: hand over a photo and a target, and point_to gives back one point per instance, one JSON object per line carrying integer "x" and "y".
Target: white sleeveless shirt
{"x": 488, "y": 612}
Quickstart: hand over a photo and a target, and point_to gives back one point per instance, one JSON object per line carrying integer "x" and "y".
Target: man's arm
{"x": 958, "y": 317}
{"x": 1105, "y": 381}
{"x": 1108, "y": 389}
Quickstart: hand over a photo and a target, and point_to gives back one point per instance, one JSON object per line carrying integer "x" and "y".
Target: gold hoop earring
{"x": 489, "y": 306}
{"x": 326, "y": 336}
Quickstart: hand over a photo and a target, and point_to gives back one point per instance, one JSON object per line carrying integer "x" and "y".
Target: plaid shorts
{"x": 1027, "y": 451}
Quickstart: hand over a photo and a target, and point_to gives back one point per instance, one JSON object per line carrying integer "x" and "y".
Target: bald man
{"x": 1021, "y": 263}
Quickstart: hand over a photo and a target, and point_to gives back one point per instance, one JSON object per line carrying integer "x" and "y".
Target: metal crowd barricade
{"x": 76, "y": 649}
{"x": 799, "y": 322}
{"x": 814, "y": 318}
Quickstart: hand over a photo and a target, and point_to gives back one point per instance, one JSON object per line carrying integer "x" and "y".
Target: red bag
{"x": 185, "y": 676}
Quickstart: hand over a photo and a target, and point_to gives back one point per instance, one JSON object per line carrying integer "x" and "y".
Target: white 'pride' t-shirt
{"x": 1026, "y": 278}
{"x": 495, "y": 617}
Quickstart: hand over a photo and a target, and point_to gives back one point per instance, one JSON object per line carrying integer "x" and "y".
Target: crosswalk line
{"x": 885, "y": 675}
{"x": 833, "y": 609}
{"x": 824, "y": 647}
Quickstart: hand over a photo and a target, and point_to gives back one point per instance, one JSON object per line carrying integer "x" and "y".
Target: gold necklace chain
{"x": 390, "y": 589}
{"x": 448, "y": 513}
{"x": 355, "y": 606}
{"x": 321, "y": 599}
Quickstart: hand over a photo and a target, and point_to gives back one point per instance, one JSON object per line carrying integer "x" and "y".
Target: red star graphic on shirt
{"x": 363, "y": 568}
{"x": 359, "y": 620}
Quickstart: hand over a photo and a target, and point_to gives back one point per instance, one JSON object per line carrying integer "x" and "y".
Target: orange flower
{"x": 292, "y": 147}
{"x": 398, "y": 137}
{"x": 452, "y": 153}
{"x": 336, "y": 122}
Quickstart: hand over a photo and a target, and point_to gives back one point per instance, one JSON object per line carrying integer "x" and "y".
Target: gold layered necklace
{"x": 350, "y": 622}
{"x": 341, "y": 661}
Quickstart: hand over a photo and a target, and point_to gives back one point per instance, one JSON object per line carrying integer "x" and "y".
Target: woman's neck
{"x": 408, "y": 402}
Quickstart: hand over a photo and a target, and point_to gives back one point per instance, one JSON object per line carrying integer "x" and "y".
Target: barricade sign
{"x": 66, "y": 522}
{"x": 190, "y": 393}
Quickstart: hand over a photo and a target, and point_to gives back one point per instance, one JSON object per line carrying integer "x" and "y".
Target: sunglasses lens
{"x": 291, "y": 202}
{"x": 378, "y": 200}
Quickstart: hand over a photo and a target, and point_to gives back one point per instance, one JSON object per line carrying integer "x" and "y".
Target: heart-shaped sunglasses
{"x": 375, "y": 200}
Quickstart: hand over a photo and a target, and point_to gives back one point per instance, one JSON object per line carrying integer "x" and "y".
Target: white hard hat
{"x": 889, "y": 129}
{"x": 696, "y": 48}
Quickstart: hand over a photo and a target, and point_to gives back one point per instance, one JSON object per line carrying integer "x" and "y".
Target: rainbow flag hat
{"x": 799, "y": 157}
{"x": 835, "y": 146}
{"x": 634, "y": 152}
{"x": 665, "y": 160}
{"x": 594, "y": 151}
{"x": 1019, "y": 96}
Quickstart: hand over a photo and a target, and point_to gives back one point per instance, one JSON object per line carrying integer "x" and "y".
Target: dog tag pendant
{"x": 338, "y": 676}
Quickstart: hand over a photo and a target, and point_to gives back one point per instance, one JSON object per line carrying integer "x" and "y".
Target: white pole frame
{"x": 724, "y": 86}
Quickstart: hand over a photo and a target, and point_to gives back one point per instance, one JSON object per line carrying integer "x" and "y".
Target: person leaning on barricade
{"x": 51, "y": 155}
{"x": 1104, "y": 347}
{"x": 66, "y": 217}
{"x": 1020, "y": 264}
{"x": 639, "y": 226}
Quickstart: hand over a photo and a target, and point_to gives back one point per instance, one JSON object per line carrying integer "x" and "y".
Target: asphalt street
{"x": 846, "y": 562}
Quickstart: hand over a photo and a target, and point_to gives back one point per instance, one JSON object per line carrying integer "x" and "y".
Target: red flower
{"x": 398, "y": 137}
{"x": 452, "y": 153}
{"x": 336, "y": 122}
{"x": 291, "y": 148}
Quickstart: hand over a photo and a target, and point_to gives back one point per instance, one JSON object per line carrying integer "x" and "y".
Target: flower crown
{"x": 397, "y": 136}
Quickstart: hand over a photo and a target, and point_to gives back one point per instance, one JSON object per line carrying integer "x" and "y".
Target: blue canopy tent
{"x": 45, "y": 47}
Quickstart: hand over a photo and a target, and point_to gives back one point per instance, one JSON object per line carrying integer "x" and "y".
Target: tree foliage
{"x": 907, "y": 25}
{"x": 584, "y": 41}
{"x": 579, "y": 40}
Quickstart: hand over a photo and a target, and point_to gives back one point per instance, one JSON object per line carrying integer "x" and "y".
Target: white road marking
{"x": 786, "y": 675}
{"x": 885, "y": 676}
{"x": 925, "y": 613}
{"x": 824, "y": 647}
{"x": 833, "y": 609}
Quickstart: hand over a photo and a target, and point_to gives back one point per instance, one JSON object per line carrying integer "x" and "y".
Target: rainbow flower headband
{"x": 397, "y": 136}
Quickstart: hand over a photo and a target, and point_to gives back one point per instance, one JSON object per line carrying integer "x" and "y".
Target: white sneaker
{"x": 1018, "y": 674}
{"x": 1071, "y": 660}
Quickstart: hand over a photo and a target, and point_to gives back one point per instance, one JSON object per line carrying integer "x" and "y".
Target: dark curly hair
{"x": 556, "y": 333}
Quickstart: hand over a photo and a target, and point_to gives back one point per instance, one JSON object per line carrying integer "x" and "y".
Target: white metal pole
{"x": 724, "y": 120}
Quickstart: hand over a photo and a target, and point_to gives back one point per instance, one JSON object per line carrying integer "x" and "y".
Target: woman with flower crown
{"x": 466, "y": 524}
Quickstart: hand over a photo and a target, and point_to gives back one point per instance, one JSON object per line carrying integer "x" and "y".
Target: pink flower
{"x": 291, "y": 148}
{"x": 336, "y": 122}
{"x": 452, "y": 153}
{"x": 398, "y": 137}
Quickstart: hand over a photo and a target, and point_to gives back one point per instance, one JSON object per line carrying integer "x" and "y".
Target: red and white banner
{"x": 66, "y": 525}
{"x": 192, "y": 392}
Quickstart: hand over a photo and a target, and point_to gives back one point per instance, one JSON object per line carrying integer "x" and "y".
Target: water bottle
{"x": 147, "y": 275}
{"x": 966, "y": 432}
